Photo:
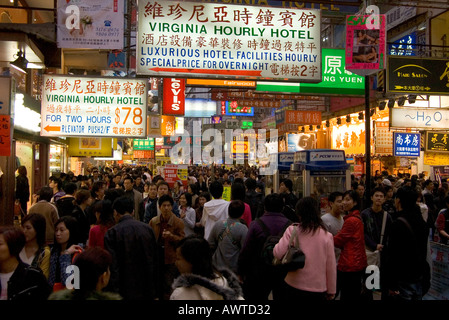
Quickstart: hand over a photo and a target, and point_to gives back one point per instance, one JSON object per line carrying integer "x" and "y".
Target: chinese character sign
{"x": 5, "y": 135}
{"x": 365, "y": 46}
{"x": 90, "y": 24}
{"x": 83, "y": 106}
{"x": 406, "y": 144}
{"x": 189, "y": 39}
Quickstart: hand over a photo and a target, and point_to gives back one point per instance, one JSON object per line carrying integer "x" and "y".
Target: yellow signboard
{"x": 436, "y": 158}
{"x": 90, "y": 147}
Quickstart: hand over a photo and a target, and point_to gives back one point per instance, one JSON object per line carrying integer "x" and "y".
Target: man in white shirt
{"x": 215, "y": 209}
{"x": 334, "y": 219}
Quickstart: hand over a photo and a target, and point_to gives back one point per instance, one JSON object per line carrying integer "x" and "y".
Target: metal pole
{"x": 367, "y": 138}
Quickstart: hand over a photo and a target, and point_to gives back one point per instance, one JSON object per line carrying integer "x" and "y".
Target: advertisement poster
{"x": 90, "y": 24}
{"x": 439, "y": 286}
{"x": 85, "y": 106}
{"x": 218, "y": 40}
{"x": 365, "y": 45}
{"x": 383, "y": 138}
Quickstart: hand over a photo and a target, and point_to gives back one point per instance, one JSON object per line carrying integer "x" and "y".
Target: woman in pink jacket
{"x": 317, "y": 280}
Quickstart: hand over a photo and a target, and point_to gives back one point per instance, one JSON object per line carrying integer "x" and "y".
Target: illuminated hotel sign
{"x": 85, "y": 106}
{"x": 216, "y": 40}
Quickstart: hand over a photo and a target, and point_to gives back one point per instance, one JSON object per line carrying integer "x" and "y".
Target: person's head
{"x": 112, "y": 194}
{"x": 260, "y": 187}
{"x": 45, "y": 193}
{"x": 98, "y": 189}
{"x": 93, "y": 264}
{"x": 308, "y": 212}
{"x": 162, "y": 188}
{"x": 236, "y": 209}
{"x": 378, "y": 196}
{"x": 138, "y": 181}
{"x": 70, "y": 188}
{"x": 193, "y": 255}
{"x": 351, "y": 200}
{"x": 192, "y": 188}
{"x": 165, "y": 203}
{"x": 250, "y": 184}
{"x": 12, "y": 241}
{"x": 66, "y": 232}
{"x": 34, "y": 226}
{"x": 389, "y": 192}
{"x": 185, "y": 199}
{"x": 54, "y": 183}
{"x": 95, "y": 173}
{"x": 122, "y": 205}
{"x": 335, "y": 200}
{"x": 238, "y": 191}
{"x": 286, "y": 186}
{"x": 216, "y": 189}
{"x": 103, "y": 212}
{"x": 428, "y": 184}
{"x": 273, "y": 203}
{"x": 203, "y": 198}
{"x": 83, "y": 197}
{"x": 22, "y": 170}
{"x": 405, "y": 198}
{"x": 128, "y": 183}
{"x": 360, "y": 190}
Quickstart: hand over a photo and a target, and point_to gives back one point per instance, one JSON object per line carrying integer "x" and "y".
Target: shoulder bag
{"x": 294, "y": 258}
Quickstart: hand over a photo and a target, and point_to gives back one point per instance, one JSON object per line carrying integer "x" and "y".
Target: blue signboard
{"x": 405, "y": 46}
{"x": 406, "y": 144}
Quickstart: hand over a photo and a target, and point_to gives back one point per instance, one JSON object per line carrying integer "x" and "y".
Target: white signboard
{"x": 90, "y": 24}
{"x": 187, "y": 39}
{"x": 101, "y": 107}
{"x": 430, "y": 118}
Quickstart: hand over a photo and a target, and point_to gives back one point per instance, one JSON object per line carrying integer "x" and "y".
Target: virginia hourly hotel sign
{"x": 188, "y": 39}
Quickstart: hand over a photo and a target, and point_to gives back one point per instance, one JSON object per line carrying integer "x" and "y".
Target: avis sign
{"x": 174, "y": 96}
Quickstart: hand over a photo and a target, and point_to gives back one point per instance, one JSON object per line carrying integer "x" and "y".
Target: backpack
{"x": 266, "y": 254}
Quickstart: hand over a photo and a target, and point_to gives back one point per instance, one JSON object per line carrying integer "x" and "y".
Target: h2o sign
{"x": 174, "y": 97}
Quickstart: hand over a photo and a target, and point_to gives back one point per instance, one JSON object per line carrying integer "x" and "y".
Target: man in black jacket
{"x": 135, "y": 260}
{"x": 406, "y": 270}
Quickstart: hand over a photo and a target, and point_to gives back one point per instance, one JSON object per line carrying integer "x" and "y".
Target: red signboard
{"x": 174, "y": 97}
{"x": 5, "y": 135}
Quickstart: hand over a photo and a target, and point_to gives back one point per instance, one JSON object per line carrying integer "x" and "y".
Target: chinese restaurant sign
{"x": 406, "y": 144}
{"x": 437, "y": 141}
{"x": 189, "y": 39}
{"x": 84, "y": 106}
{"x": 336, "y": 79}
{"x": 413, "y": 75}
{"x": 365, "y": 44}
{"x": 90, "y": 24}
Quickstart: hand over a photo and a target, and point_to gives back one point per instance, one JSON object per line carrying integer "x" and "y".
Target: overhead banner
{"x": 336, "y": 80}
{"x": 190, "y": 39}
{"x": 302, "y": 117}
{"x": 174, "y": 96}
{"x": 85, "y": 106}
{"x": 406, "y": 144}
{"x": 90, "y": 24}
{"x": 365, "y": 43}
{"x": 427, "y": 118}
{"x": 419, "y": 76}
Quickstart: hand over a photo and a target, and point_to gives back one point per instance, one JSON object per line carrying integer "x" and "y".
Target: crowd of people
{"x": 137, "y": 237}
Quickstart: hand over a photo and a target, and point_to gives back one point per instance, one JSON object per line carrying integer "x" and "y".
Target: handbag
{"x": 294, "y": 258}
{"x": 373, "y": 257}
{"x": 18, "y": 211}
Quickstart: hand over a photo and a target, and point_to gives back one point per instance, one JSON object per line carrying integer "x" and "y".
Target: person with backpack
{"x": 253, "y": 199}
{"x": 289, "y": 198}
{"x": 317, "y": 280}
{"x": 259, "y": 277}
{"x": 227, "y": 237}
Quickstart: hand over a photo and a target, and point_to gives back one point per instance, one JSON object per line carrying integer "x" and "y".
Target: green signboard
{"x": 336, "y": 79}
{"x": 246, "y": 124}
{"x": 143, "y": 144}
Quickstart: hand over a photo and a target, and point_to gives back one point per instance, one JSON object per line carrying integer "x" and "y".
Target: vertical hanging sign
{"x": 174, "y": 96}
{"x": 365, "y": 43}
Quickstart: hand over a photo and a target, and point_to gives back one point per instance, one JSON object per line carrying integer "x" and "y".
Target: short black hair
{"x": 250, "y": 184}
{"x": 378, "y": 189}
{"x": 236, "y": 209}
{"x": 273, "y": 202}
{"x": 45, "y": 193}
{"x": 216, "y": 189}
{"x": 288, "y": 184}
{"x": 334, "y": 195}
{"x": 70, "y": 188}
{"x": 165, "y": 198}
{"x": 123, "y": 205}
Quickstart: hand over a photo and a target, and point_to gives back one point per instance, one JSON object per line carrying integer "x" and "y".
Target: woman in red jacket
{"x": 351, "y": 240}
